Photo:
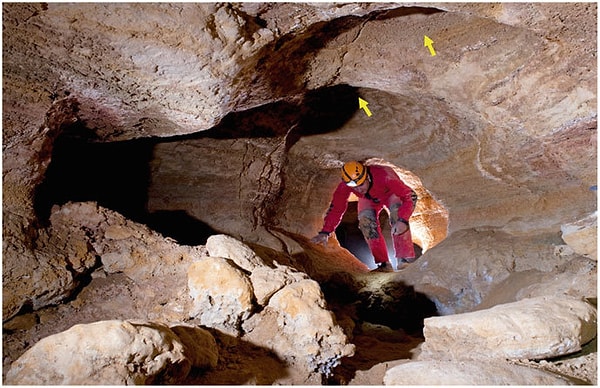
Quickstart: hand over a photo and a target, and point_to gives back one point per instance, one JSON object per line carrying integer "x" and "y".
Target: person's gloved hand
{"x": 399, "y": 227}
{"x": 320, "y": 238}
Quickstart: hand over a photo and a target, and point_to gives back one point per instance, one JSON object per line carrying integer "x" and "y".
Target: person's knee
{"x": 367, "y": 223}
{"x": 394, "y": 207}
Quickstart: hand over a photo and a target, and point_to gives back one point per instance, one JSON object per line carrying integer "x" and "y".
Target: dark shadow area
{"x": 327, "y": 109}
{"x": 283, "y": 64}
{"x": 406, "y": 11}
{"x": 116, "y": 175}
{"x": 318, "y": 111}
{"x": 396, "y": 306}
{"x": 388, "y": 321}
{"x": 180, "y": 226}
{"x": 240, "y": 363}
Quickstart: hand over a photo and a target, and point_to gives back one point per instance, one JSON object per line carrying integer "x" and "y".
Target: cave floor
{"x": 378, "y": 347}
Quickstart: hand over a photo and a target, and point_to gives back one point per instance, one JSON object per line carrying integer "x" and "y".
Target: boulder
{"x": 267, "y": 281}
{"x": 297, "y": 326}
{"x": 469, "y": 373}
{"x": 127, "y": 246}
{"x": 534, "y": 328}
{"x": 45, "y": 275}
{"x": 222, "y": 293}
{"x": 104, "y": 353}
{"x": 582, "y": 236}
{"x": 154, "y": 263}
{"x": 228, "y": 247}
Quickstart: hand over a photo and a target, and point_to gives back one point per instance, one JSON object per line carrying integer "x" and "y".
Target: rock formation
{"x": 534, "y": 329}
{"x": 464, "y": 373}
{"x": 108, "y": 352}
{"x": 165, "y": 165}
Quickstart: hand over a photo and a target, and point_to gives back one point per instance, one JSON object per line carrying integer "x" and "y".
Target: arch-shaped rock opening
{"x": 429, "y": 221}
{"x": 115, "y": 175}
{"x": 129, "y": 176}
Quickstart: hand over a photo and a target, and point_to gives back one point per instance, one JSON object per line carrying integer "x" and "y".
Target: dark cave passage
{"x": 115, "y": 175}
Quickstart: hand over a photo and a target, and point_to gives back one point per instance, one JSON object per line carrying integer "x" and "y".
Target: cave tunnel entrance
{"x": 428, "y": 223}
{"x": 116, "y": 175}
{"x": 113, "y": 174}
{"x": 351, "y": 238}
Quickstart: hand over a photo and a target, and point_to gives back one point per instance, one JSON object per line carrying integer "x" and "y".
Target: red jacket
{"x": 384, "y": 183}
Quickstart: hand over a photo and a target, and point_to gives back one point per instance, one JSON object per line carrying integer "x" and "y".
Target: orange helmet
{"x": 354, "y": 173}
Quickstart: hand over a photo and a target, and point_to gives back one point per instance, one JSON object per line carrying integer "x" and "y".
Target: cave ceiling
{"x": 506, "y": 108}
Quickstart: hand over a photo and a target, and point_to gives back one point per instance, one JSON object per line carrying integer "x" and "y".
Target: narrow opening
{"x": 428, "y": 223}
{"x": 114, "y": 174}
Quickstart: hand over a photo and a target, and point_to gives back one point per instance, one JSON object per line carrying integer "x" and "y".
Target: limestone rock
{"x": 582, "y": 236}
{"x": 575, "y": 278}
{"x": 468, "y": 373}
{"x": 36, "y": 281}
{"x": 156, "y": 264}
{"x": 267, "y": 281}
{"x": 48, "y": 274}
{"x": 20, "y": 322}
{"x": 500, "y": 127}
{"x": 104, "y": 353}
{"x": 297, "y": 326}
{"x": 535, "y": 328}
{"x": 230, "y": 248}
{"x": 461, "y": 272}
{"x": 123, "y": 245}
{"x": 580, "y": 281}
{"x": 222, "y": 294}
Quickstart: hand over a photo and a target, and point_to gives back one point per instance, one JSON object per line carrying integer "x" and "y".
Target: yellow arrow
{"x": 429, "y": 44}
{"x": 362, "y": 104}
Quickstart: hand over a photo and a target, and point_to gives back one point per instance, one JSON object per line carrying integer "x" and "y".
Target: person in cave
{"x": 376, "y": 187}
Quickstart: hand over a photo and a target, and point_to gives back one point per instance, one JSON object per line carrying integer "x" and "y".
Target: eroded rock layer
{"x": 152, "y": 152}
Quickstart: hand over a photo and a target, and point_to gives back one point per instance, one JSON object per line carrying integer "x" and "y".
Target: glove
{"x": 399, "y": 227}
{"x": 320, "y": 238}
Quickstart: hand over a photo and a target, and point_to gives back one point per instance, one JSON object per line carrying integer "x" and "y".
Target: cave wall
{"x": 500, "y": 125}
{"x": 487, "y": 122}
